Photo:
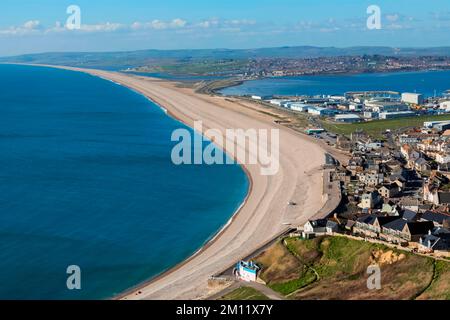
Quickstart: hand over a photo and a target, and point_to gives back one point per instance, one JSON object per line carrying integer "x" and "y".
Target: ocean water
{"x": 425, "y": 82}
{"x": 86, "y": 179}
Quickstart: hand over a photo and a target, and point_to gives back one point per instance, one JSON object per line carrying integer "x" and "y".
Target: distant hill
{"x": 119, "y": 60}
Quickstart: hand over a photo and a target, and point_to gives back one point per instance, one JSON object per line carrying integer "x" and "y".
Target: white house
{"x": 247, "y": 271}
{"x": 442, "y": 158}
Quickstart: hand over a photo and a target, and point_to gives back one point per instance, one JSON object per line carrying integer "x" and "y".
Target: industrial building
{"x": 261, "y": 97}
{"x": 299, "y": 106}
{"x": 413, "y": 98}
{"x": 318, "y": 111}
{"x": 394, "y": 115}
{"x": 347, "y": 118}
{"x": 380, "y": 107}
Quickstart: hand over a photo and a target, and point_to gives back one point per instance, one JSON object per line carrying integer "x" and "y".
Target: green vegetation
{"x": 336, "y": 268}
{"x": 196, "y": 67}
{"x": 245, "y": 293}
{"x": 378, "y": 127}
{"x": 439, "y": 288}
{"x": 282, "y": 271}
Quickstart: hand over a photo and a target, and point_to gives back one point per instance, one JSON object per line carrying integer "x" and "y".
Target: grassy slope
{"x": 440, "y": 287}
{"x": 245, "y": 293}
{"x": 282, "y": 271}
{"x": 378, "y": 127}
{"x": 341, "y": 266}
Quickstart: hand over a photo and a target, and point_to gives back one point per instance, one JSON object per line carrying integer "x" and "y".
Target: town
{"x": 395, "y": 189}
{"x": 264, "y": 67}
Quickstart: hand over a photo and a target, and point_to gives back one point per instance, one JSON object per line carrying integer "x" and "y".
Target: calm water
{"x": 86, "y": 179}
{"x": 422, "y": 82}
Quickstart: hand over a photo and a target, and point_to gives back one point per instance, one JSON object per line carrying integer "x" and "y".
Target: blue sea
{"x": 86, "y": 179}
{"x": 425, "y": 82}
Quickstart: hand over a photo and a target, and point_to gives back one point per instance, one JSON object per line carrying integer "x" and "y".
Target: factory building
{"x": 413, "y": 98}
{"x": 347, "y": 118}
{"x": 394, "y": 115}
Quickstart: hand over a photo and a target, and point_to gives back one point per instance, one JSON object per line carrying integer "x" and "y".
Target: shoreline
{"x": 263, "y": 212}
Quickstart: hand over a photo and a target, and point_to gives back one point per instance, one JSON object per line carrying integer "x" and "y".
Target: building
{"x": 396, "y": 114}
{"x": 370, "y": 225}
{"x": 430, "y": 243}
{"x": 318, "y": 111}
{"x": 445, "y": 105}
{"x": 442, "y": 158}
{"x": 246, "y": 271}
{"x": 296, "y": 106}
{"x": 320, "y": 226}
{"x": 262, "y": 97}
{"x": 278, "y": 102}
{"x": 381, "y": 107}
{"x": 389, "y": 191}
{"x": 437, "y": 218}
{"x": 431, "y": 124}
{"x": 413, "y": 98}
{"x": 442, "y": 126}
{"x": 369, "y": 200}
{"x": 401, "y": 230}
{"x": 347, "y": 118}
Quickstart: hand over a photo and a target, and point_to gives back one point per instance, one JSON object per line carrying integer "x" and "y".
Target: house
{"x": 444, "y": 198}
{"x": 371, "y": 179}
{"x": 389, "y": 191}
{"x": 370, "y": 225}
{"x": 390, "y": 209}
{"x": 410, "y": 203}
{"x": 315, "y": 226}
{"x": 402, "y": 230}
{"x": 247, "y": 271}
{"x": 320, "y": 226}
{"x": 420, "y": 164}
{"x": 430, "y": 243}
{"x": 437, "y": 218}
{"x": 442, "y": 157}
{"x": 369, "y": 200}
{"x": 408, "y": 152}
{"x": 409, "y": 215}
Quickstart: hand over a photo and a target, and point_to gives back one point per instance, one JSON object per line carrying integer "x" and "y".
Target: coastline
{"x": 239, "y": 231}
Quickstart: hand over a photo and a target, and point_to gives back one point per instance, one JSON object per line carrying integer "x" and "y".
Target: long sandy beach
{"x": 266, "y": 211}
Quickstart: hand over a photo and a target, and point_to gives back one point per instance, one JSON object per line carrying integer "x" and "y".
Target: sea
{"x": 87, "y": 182}
{"x": 428, "y": 83}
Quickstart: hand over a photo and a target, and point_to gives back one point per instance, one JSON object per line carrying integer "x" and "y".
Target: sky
{"x": 33, "y": 26}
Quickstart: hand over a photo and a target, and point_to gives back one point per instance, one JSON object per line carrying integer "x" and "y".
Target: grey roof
{"x": 331, "y": 224}
{"x": 409, "y": 215}
{"x": 397, "y": 224}
{"x": 435, "y": 217}
{"x": 429, "y": 238}
{"x": 444, "y": 197}
{"x": 371, "y": 218}
{"x": 321, "y": 223}
{"x": 416, "y": 228}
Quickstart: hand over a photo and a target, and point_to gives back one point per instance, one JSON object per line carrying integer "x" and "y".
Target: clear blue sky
{"x": 28, "y": 26}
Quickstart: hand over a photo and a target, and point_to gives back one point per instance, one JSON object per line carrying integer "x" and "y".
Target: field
{"x": 378, "y": 127}
{"x": 336, "y": 268}
{"x": 196, "y": 67}
{"x": 245, "y": 293}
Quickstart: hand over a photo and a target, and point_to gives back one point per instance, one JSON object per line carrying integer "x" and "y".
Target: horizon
{"x": 111, "y": 26}
{"x": 218, "y": 49}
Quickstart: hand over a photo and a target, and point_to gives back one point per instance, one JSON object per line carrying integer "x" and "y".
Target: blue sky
{"x": 29, "y": 26}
